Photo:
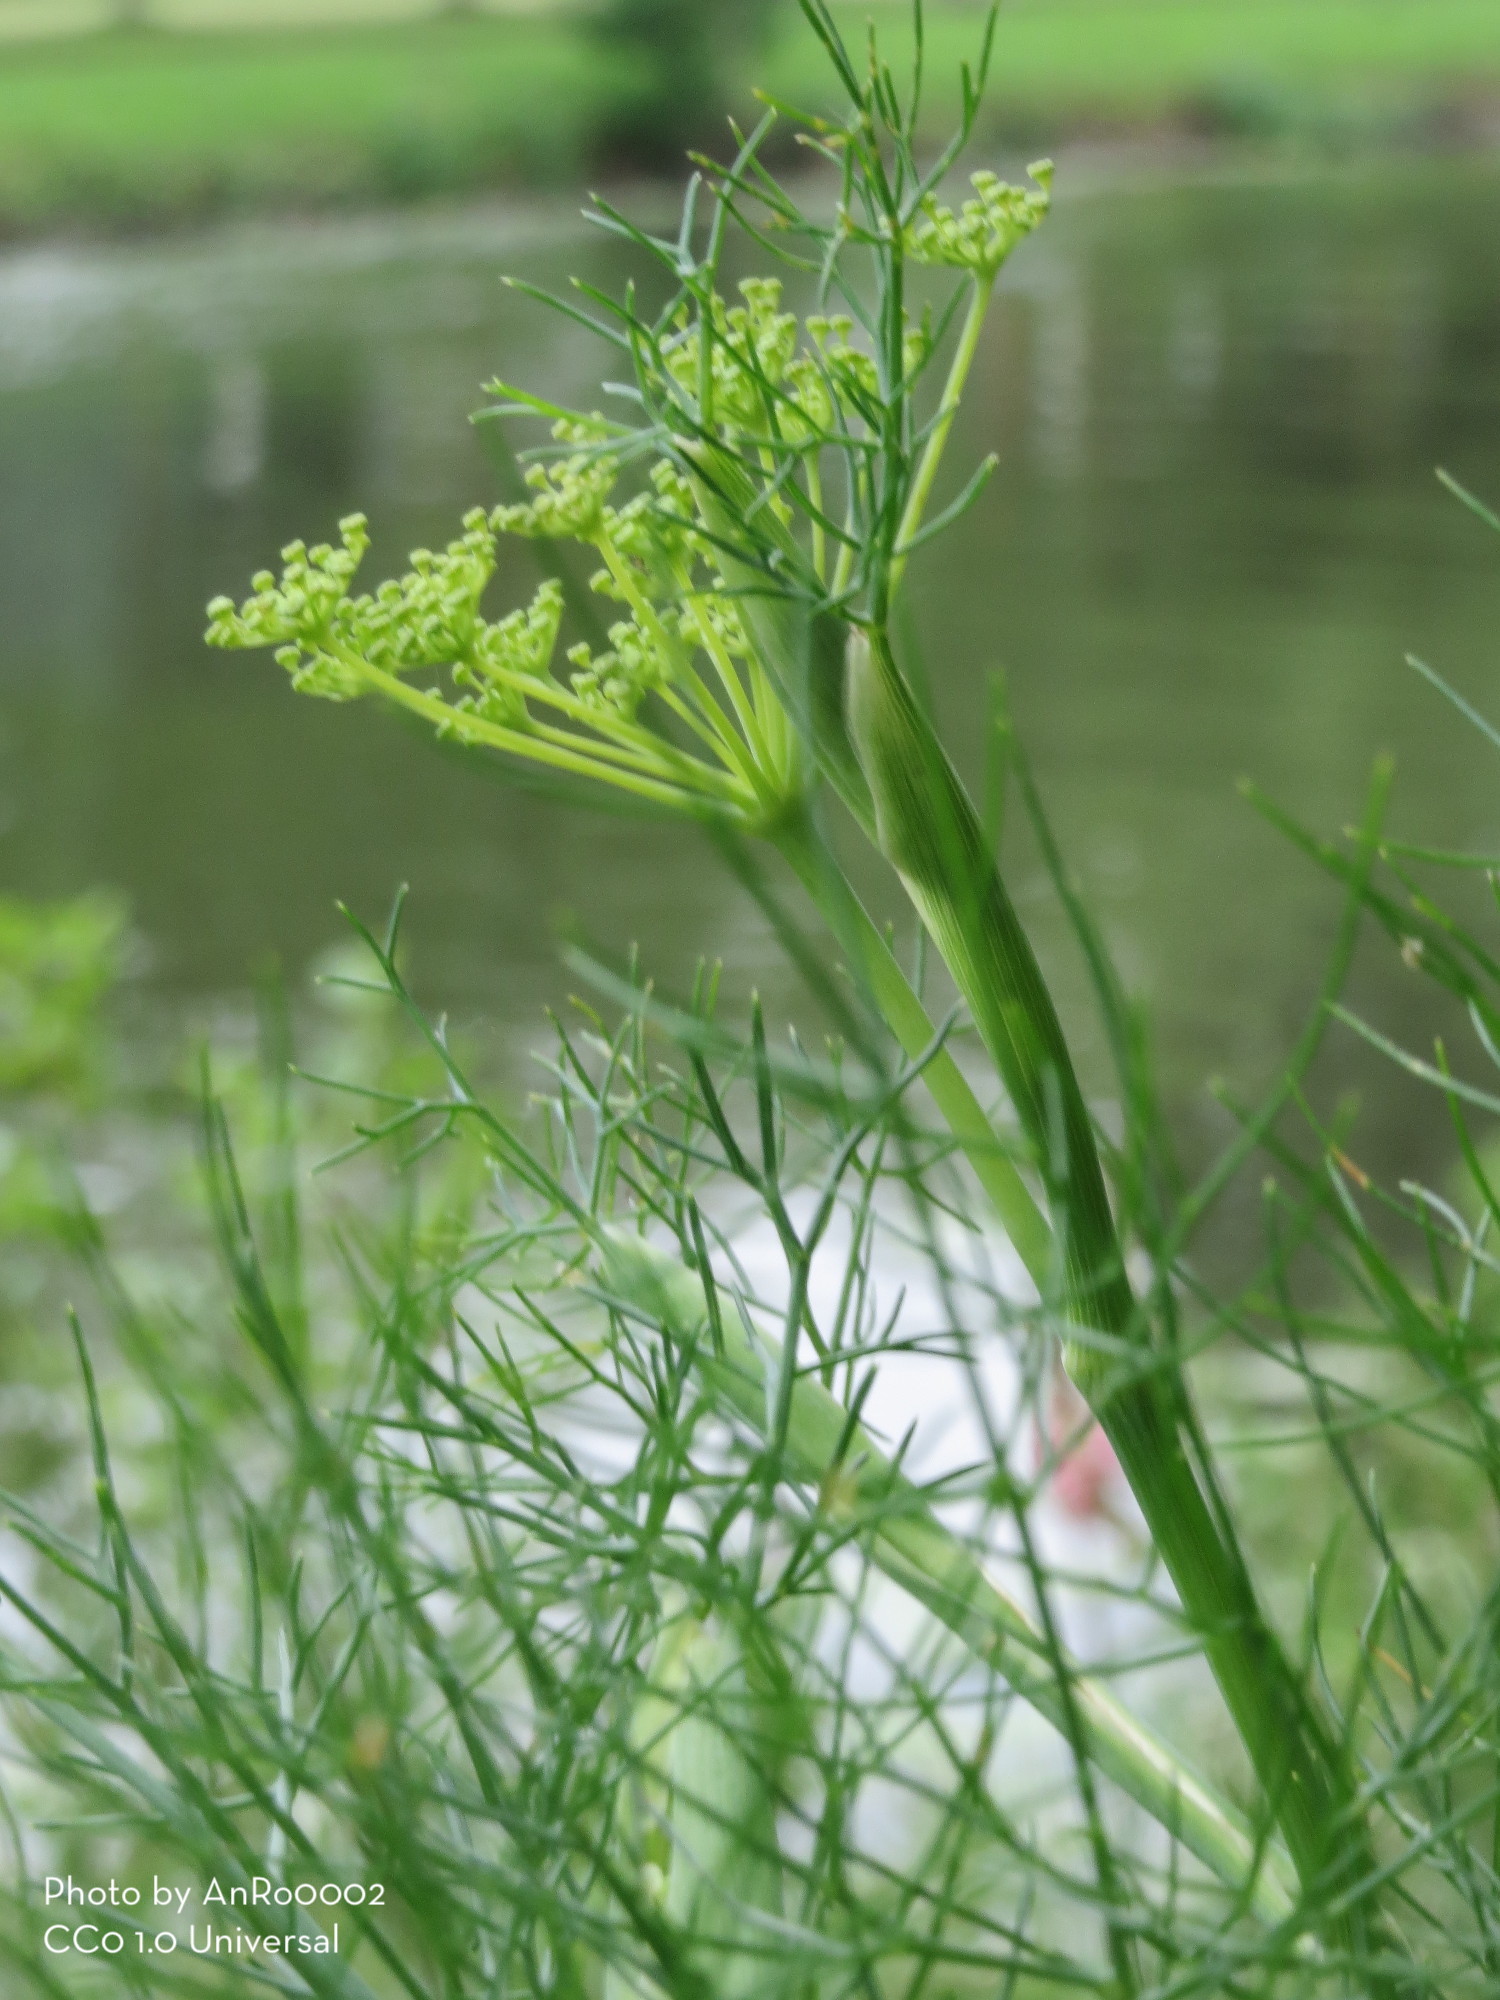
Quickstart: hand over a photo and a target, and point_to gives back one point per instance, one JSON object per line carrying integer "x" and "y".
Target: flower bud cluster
{"x": 681, "y": 636}
{"x": 712, "y": 620}
{"x": 765, "y": 382}
{"x": 620, "y": 679}
{"x": 655, "y": 534}
{"x": 750, "y": 349}
{"x": 297, "y": 612}
{"x": 570, "y": 497}
{"x": 848, "y": 369}
{"x": 429, "y": 618}
{"x": 982, "y": 234}
{"x": 505, "y": 658}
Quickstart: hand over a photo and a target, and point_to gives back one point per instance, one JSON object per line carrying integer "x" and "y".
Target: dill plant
{"x": 565, "y": 1581}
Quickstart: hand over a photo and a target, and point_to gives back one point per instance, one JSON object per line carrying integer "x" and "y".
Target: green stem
{"x": 928, "y": 829}
{"x": 700, "y": 783}
{"x": 819, "y": 533}
{"x": 937, "y": 442}
{"x": 876, "y": 967}
{"x": 799, "y": 646}
{"x": 734, "y": 690}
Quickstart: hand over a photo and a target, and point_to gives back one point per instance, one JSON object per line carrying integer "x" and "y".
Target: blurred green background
{"x": 129, "y": 112}
{"x": 253, "y": 281}
{"x": 251, "y": 255}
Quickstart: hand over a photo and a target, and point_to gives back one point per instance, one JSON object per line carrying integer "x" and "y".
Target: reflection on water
{"x": 1213, "y": 537}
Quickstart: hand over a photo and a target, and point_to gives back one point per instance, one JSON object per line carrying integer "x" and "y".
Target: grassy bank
{"x": 134, "y": 130}
{"x": 144, "y": 129}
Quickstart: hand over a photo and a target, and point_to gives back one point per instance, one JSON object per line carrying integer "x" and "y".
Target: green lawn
{"x": 136, "y": 128}
{"x": 121, "y": 129}
{"x": 1144, "y": 55}
{"x": 39, "y": 18}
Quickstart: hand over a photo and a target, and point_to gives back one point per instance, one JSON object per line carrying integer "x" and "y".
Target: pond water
{"x": 1214, "y": 536}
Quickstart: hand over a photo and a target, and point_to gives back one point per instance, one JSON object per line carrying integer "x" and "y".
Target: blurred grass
{"x": 42, "y": 18}
{"x": 131, "y": 130}
{"x": 1146, "y": 56}
{"x": 141, "y": 129}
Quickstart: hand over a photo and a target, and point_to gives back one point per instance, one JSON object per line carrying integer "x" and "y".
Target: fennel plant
{"x": 781, "y": 474}
{"x": 565, "y": 1582}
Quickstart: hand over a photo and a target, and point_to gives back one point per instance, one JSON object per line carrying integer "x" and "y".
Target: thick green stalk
{"x": 876, "y": 967}
{"x": 839, "y": 1459}
{"x": 715, "y": 1807}
{"x": 722, "y": 1819}
{"x": 928, "y": 829}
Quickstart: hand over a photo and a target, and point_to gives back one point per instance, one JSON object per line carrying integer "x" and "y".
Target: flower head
{"x": 981, "y": 235}
{"x": 570, "y": 499}
{"x": 296, "y": 613}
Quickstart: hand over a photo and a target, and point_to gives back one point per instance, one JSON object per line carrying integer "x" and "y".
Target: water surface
{"x": 1214, "y": 535}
